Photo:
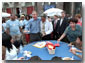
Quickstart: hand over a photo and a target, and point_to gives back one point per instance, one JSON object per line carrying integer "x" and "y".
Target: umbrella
{"x": 53, "y": 11}
{"x": 5, "y": 14}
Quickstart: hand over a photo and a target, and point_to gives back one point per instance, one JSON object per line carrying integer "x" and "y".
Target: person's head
{"x": 55, "y": 17}
{"x": 12, "y": 17}
{"x": 48, "y": 16}
{"x": 7, "y": 41}
{"x": 63, "y": 14}
{"x": 22, "y": 17}
{"x": 56, "y": 58}
{"x": 72, "y": 22}
{"x": 79, "y": 39}
{"x": 34, "y": 15}
{"x": 78, "y": 16}
{"x": 3, "y": 20}
{"x": 35, "y": 58}
{"x": 43, "y": 17}
{"x": 16, "y": 44}
{"x": 27, "y": 17}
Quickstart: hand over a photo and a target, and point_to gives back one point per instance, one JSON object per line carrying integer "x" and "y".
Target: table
{"x": 62, "y": 51}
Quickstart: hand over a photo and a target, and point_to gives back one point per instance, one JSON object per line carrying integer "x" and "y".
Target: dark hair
{"x": 73, "y": 20}
{"x": 34, "y": 58}
{"x": 80, "y": 37}
{"x": 56, "y": 15}
{"x": 6, "y": 41}
{"x": 27, "y": 16}
{"x": 17, "y": 43}
{"x": 3, "y": 20}
{"x": 48, "y": 16}
{"x": 56, "y": 58}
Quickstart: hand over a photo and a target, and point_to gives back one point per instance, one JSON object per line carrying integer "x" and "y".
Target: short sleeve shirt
{"x": 13, "y": 27}
{"x": 72, "y": 35}
{"x": 25, "y": 22}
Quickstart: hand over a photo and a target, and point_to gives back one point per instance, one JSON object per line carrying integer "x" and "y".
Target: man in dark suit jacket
{"x": 55, "y": 26}
{"x": 62, "y": 24}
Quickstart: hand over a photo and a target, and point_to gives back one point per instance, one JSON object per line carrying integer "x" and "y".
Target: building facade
{"x": 19, "y": 8}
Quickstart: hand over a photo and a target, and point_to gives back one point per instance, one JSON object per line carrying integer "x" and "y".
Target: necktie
{"x": 54, "y": 24}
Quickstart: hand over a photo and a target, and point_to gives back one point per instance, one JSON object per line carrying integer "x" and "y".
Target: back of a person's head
{"x": 56, "y": 58}
{"x": 35, "y": 58}
{"x": 5, "y": 38}
{"x": 6, "y": 41}
{"x": 16, "y": 44}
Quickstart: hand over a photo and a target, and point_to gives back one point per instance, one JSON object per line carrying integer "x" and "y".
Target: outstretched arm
{"x": 62, "y": 36}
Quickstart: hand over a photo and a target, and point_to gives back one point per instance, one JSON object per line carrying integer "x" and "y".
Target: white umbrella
{"x": 5, "y": 14}
{"x": 53, "y": 11}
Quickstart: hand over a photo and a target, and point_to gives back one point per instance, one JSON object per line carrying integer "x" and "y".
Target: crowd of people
{"x": 36, "y": 28}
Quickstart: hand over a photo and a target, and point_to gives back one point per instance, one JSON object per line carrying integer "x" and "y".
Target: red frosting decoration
{"x": 57, "y": 45}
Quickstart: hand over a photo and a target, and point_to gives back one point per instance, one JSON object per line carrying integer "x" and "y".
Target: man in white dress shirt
{"x": 46, "y": 28}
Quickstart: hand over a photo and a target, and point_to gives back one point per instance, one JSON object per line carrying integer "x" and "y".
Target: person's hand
{"x": 26, "y": 31}
{"x": 73, "y": 51}
{"x": 70, "y": 44}
{"x": 58, "y": 40}
{"x": 20, "y": 58}
{"x": 70, "y": 49}
{"x": 43, "y": 34}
